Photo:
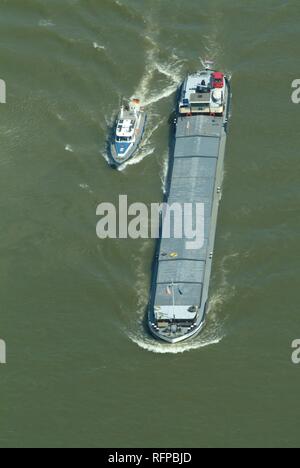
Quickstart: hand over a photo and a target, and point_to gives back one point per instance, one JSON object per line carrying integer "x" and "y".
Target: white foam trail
{"x": 86, "y": 188}
{"x": 105, "y": 156}
{"x": 171, "y": 77}
{"x": 213, "y": 332}
{"x": 98, "y": 46}
{"x": 140, "y": 156}
{"x": 149, "y": 132}
{"x": 167, "y": 70}
{"x": 110, "y": 121}
{"x": 44, "y": 23}
{"x": 168, "y": 91}
{"x": 164, "y": 173}
{"x": 171, "y": 71}
{"x": 159, "y": 348}
{"x": 145, "y": 149}
{"x": 69, "y": 148}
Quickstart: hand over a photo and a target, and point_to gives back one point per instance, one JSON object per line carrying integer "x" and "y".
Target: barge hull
{"x": 181, "y": 276}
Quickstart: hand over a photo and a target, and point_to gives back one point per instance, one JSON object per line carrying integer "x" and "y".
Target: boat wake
{"x": 46, "y": 23}
{"x": 86, "y": 188}
{"x": 142, "y": 154}
{"x": 170, "y": 74}
{"x": 69, "y": 148}
{"x": 146, "y": 149}
{"x": 98, "y": 46}
{"x": 213, "y": 332}
{"x": 164, "y": 172}
{"x": 158, "y": 348}
{"x": 159, "y": 81}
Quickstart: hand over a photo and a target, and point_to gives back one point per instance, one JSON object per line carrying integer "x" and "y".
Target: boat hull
{"x": 196, "y": 176}
{"x": 177, "y": 339}
{"x": 118, "y": 160}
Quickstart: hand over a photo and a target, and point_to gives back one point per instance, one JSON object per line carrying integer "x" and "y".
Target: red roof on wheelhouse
{"x": 218, "y": 75}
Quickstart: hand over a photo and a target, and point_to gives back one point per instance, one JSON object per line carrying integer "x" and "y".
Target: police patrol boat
{"x": 180, "y": 283}
{"x": 128, "y": 132}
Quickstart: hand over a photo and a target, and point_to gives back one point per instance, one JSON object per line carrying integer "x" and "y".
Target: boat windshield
{"x": 123, "y": 139}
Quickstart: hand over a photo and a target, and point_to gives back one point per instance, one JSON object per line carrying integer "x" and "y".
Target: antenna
{"x": 173, "y": 295}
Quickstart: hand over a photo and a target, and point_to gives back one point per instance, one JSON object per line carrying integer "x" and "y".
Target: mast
{"x": 173, "y": 297}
